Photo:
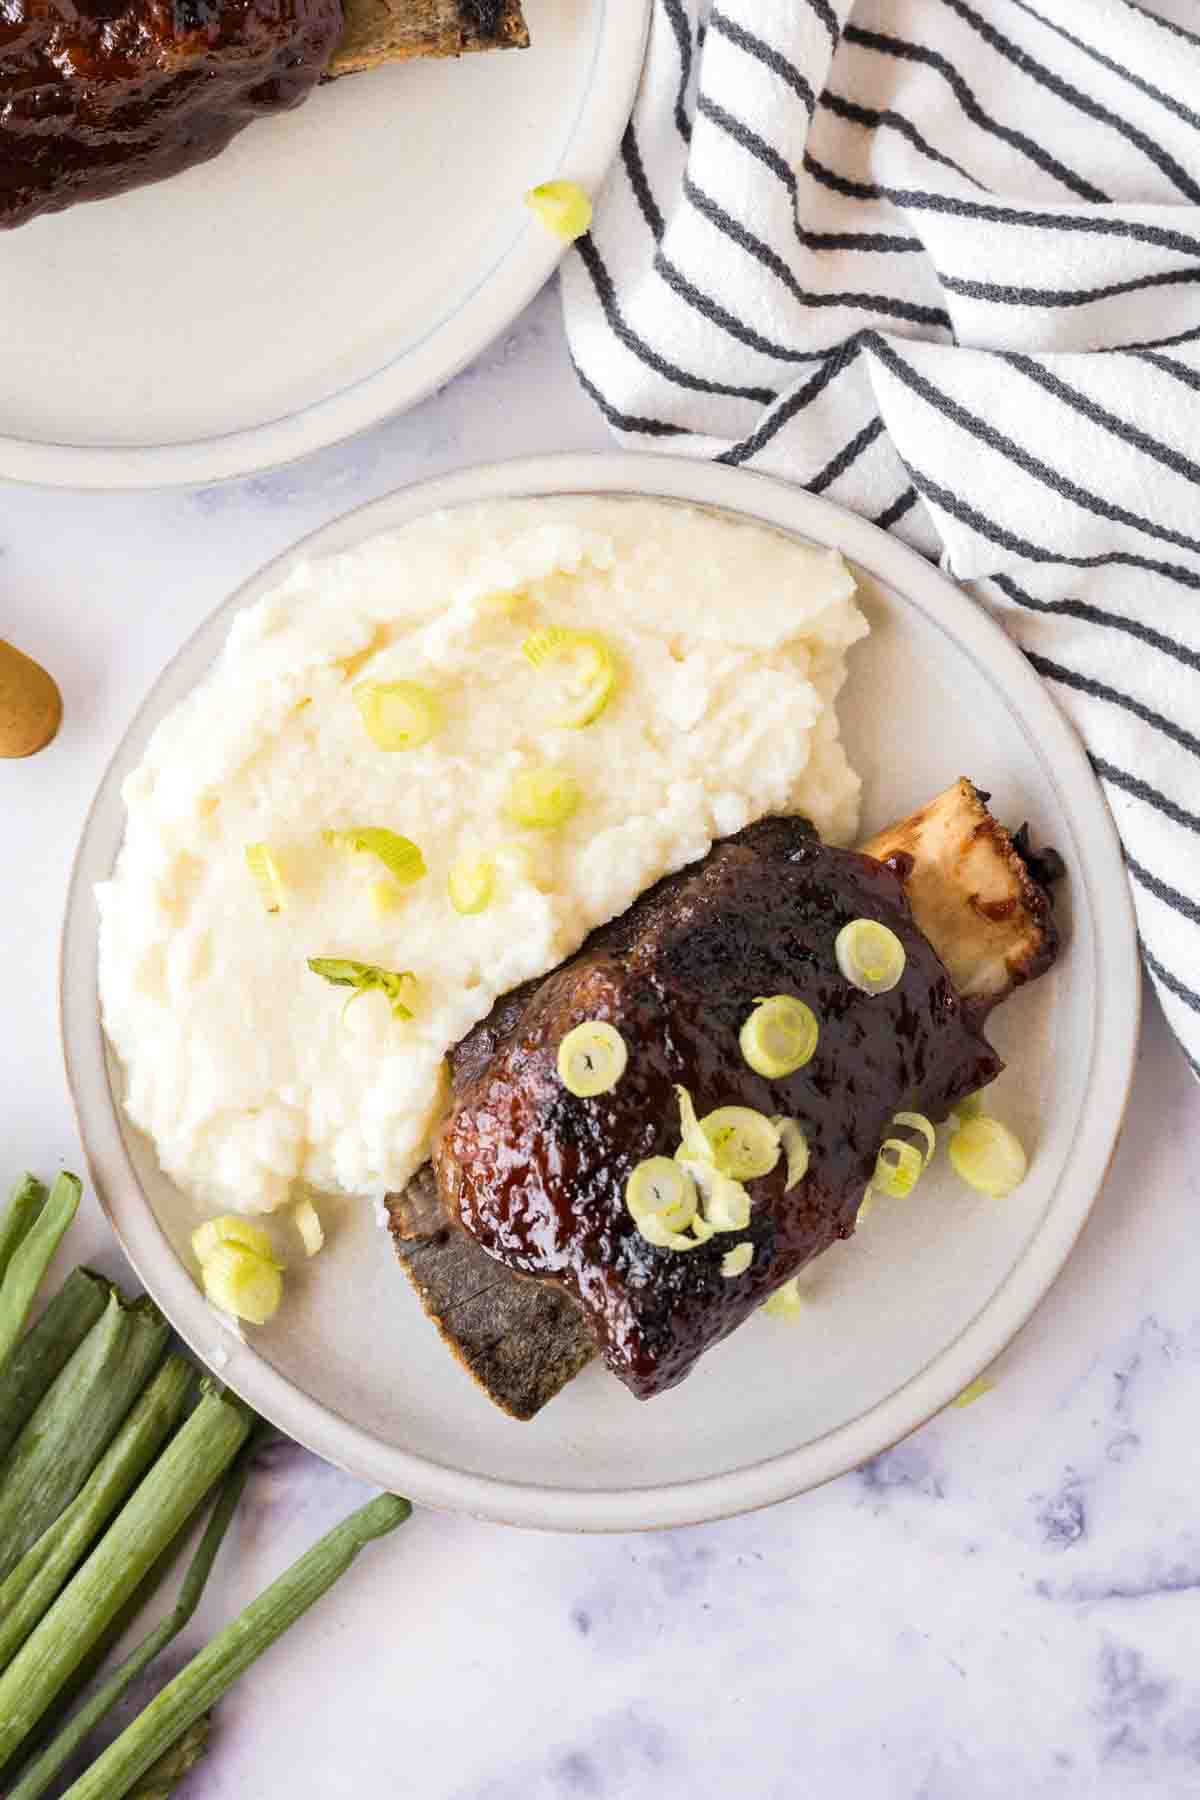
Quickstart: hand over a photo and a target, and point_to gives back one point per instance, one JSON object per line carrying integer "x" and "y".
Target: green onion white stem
{"x": 71, "y": 1427}
{"x": 27, "y": 1593}
{"x": 31, "y": 1258}
{"x": 46, "y": 1349}
{"x": 160, "y": 1506}
{"x": 210, "y": 1674}
{"x": 28, "y": 1198}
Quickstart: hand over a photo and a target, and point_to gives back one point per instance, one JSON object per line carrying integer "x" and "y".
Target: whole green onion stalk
{"x": 159, "y": 1507}
{"x": 28, "y": 1198}
{"x": 198, "y": 1686}
{"x": 30, "y": 1259}
{"x": 73, "y": 1424}
{"x": 46, "y": 1348}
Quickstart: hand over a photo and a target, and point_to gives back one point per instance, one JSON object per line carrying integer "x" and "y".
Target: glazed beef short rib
{"x": 537, "y": 1176}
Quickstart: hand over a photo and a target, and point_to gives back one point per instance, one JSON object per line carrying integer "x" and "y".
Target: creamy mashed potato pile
{"x": 249, "y": 1072}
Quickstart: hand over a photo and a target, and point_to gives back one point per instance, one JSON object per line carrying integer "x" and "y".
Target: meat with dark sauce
{"x": 537, "y": 1176}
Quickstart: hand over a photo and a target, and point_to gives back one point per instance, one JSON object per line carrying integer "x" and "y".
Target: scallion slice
{"x": 341, "y": 971}
{"x": 563, "y": 207}
{"x": 795, "y": 1148}
{"x": 398, "y": 715}
{"x": 725, "y": 1203}
{"x": 869, "y": 955}
{"x": 693, "y": 1145}
{"x": 661, "y": 1189}
{"x": 744, "y": 1143}
{"x": 586, "y": 664}
{"x": 399, "y": 855}
{"x": 230, "y": 1228}
{"x": 918, "y": 1122}
{"x": 974, "y": 1391}
{"x": 737, "y": 1261}
{"x": 542, "y": 798}
{"x": 308, "y": 1224}
{"x": 898, "y": 1168}
{"x": 592, "y": 1059}
{"x": 471, "y": 884}
{"x": 239, "y": 1282}
{"x": 786, "y": 1302}
{"x": 988, "y": 1156}
{"x": 779, "y": 1037}
{"x": 263, "y": 866}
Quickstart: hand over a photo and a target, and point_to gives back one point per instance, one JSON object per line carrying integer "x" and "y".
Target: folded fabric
{"x": 940, "y": 260}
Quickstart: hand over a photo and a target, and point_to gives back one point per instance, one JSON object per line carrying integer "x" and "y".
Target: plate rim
{"x": 503, "y": 292}
{"x": 1004, "y": 1314}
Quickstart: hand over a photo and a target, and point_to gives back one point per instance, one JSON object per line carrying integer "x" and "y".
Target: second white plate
{"x": 331, "y": 267}
{"x": 903, "y": 1316}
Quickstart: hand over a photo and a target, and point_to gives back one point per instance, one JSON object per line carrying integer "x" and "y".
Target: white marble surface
{"x": 1006, "y": 1605}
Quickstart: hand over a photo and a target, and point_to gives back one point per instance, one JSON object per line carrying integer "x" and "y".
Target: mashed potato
{"x": 249, "y": 1073}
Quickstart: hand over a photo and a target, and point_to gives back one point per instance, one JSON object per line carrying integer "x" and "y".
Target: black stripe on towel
{"x": 764, "y": 53}
{"x": 1093, "y": 615}
{"x": 1106, "y": 62}
{"x": 874, "y": 117}
{"x": 795, "y": 403}
{"x": 1142, "y": 790}
{"x": 716, "y": 314}
{"x": 1011, "y": 540}
{"x": 848, "y": 454}
{"x": 902, "y": 504}
{"x": 765, "y": 153}
{"x": 1007, "y": 295}
{"x": 1171, "y": 982}
{"x": 1084, "y": 103}
{"x": 1023, "y": 459}
{"x": 1082, "y": 403}
{"x": 1162, "y": 890}
{"x": 886, "y": 305}
{"x": 1099, "y": 690}
{"x": 683, "y": 37}
{"x": 637, "y": 346}
{"x": 920, "y": 53}
{"x": 635, "y": 169}
{"x": 625, "y": 421}
{"x": 1177, "y": 370}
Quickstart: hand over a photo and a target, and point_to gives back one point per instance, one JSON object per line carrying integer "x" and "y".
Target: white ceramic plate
{"x": 331, "y": 267}
{"x": 902, "y": 1317}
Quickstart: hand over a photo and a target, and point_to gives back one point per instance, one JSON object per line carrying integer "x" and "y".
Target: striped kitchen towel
{"x": 940, "y": 260}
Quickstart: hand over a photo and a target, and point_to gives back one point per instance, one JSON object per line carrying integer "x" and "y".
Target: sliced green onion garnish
{"x": 918, "y": 1122}
{"x": 398, "y": 715}
{"x": 238, "y": 1282}
{"x": 737, "y": 1261}
{"x": 363, "y": 977}
{"x": 795, "y": 1148}
{"x": 866, "y": 1205}
{"x": 786, "y": 1302}
{"x": 988, "y": 1156}
{"x": 471, "y": 884}
{"x": 969, "y": 1107}
{"x": 779, "y": 1037}
{"x": 308, "y": 1224}
{"x": 974, "y": 1391}
{"x": 693, "y": 1145}
{"x": 662, "y": 1189}
{"x": 260, "y": 861}
{"x": 586, "y": 663}
{"x": 897, "y": 1169}
{"x": 563, "y": 207}
{"x": 744, "y": 1142}
{"x": 870, "y": 956}
{"x": 724, "y": 1201}
{"x": 230, "y": 1229}
{"x": 592, "y": 1059}
{"x": 399, "y": 855}
{"x": 542, "y": 798}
